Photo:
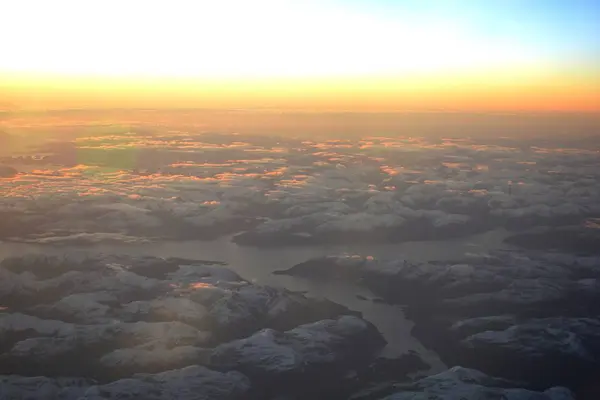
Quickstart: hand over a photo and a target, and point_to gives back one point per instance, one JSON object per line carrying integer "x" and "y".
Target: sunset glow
{"x": 357, "y": 55}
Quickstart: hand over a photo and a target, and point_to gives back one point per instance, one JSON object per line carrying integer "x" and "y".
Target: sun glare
{"x": 326, "y": 54}
{"x": 237, "y": 38}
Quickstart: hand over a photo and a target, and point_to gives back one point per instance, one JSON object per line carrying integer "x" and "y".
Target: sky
{"x": 369, "y": 55}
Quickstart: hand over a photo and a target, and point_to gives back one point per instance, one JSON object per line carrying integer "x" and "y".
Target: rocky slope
{"x": 531, "y": 317}
{"x": 468, "y": 384}
{"x": 154, "y": 328}
{"x": 110, "y": 327}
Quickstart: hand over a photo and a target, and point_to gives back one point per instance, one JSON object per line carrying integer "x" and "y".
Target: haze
{"x": 318, "y": 55}
{"x": 300, "y": 200}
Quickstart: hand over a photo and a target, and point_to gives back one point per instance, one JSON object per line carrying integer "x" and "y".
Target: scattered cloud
{"x": 286, "y": 185}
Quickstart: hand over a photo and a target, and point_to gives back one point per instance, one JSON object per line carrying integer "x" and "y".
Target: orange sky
{"x": 513, "y": 93}
{"x": 353, "y": 55}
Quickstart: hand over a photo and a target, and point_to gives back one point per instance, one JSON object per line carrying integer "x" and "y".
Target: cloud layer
{"x": 137, "y": 186}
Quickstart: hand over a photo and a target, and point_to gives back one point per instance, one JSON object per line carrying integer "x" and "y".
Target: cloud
{"x": 85, "y": 238}
{"x": 284, "y": 185}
